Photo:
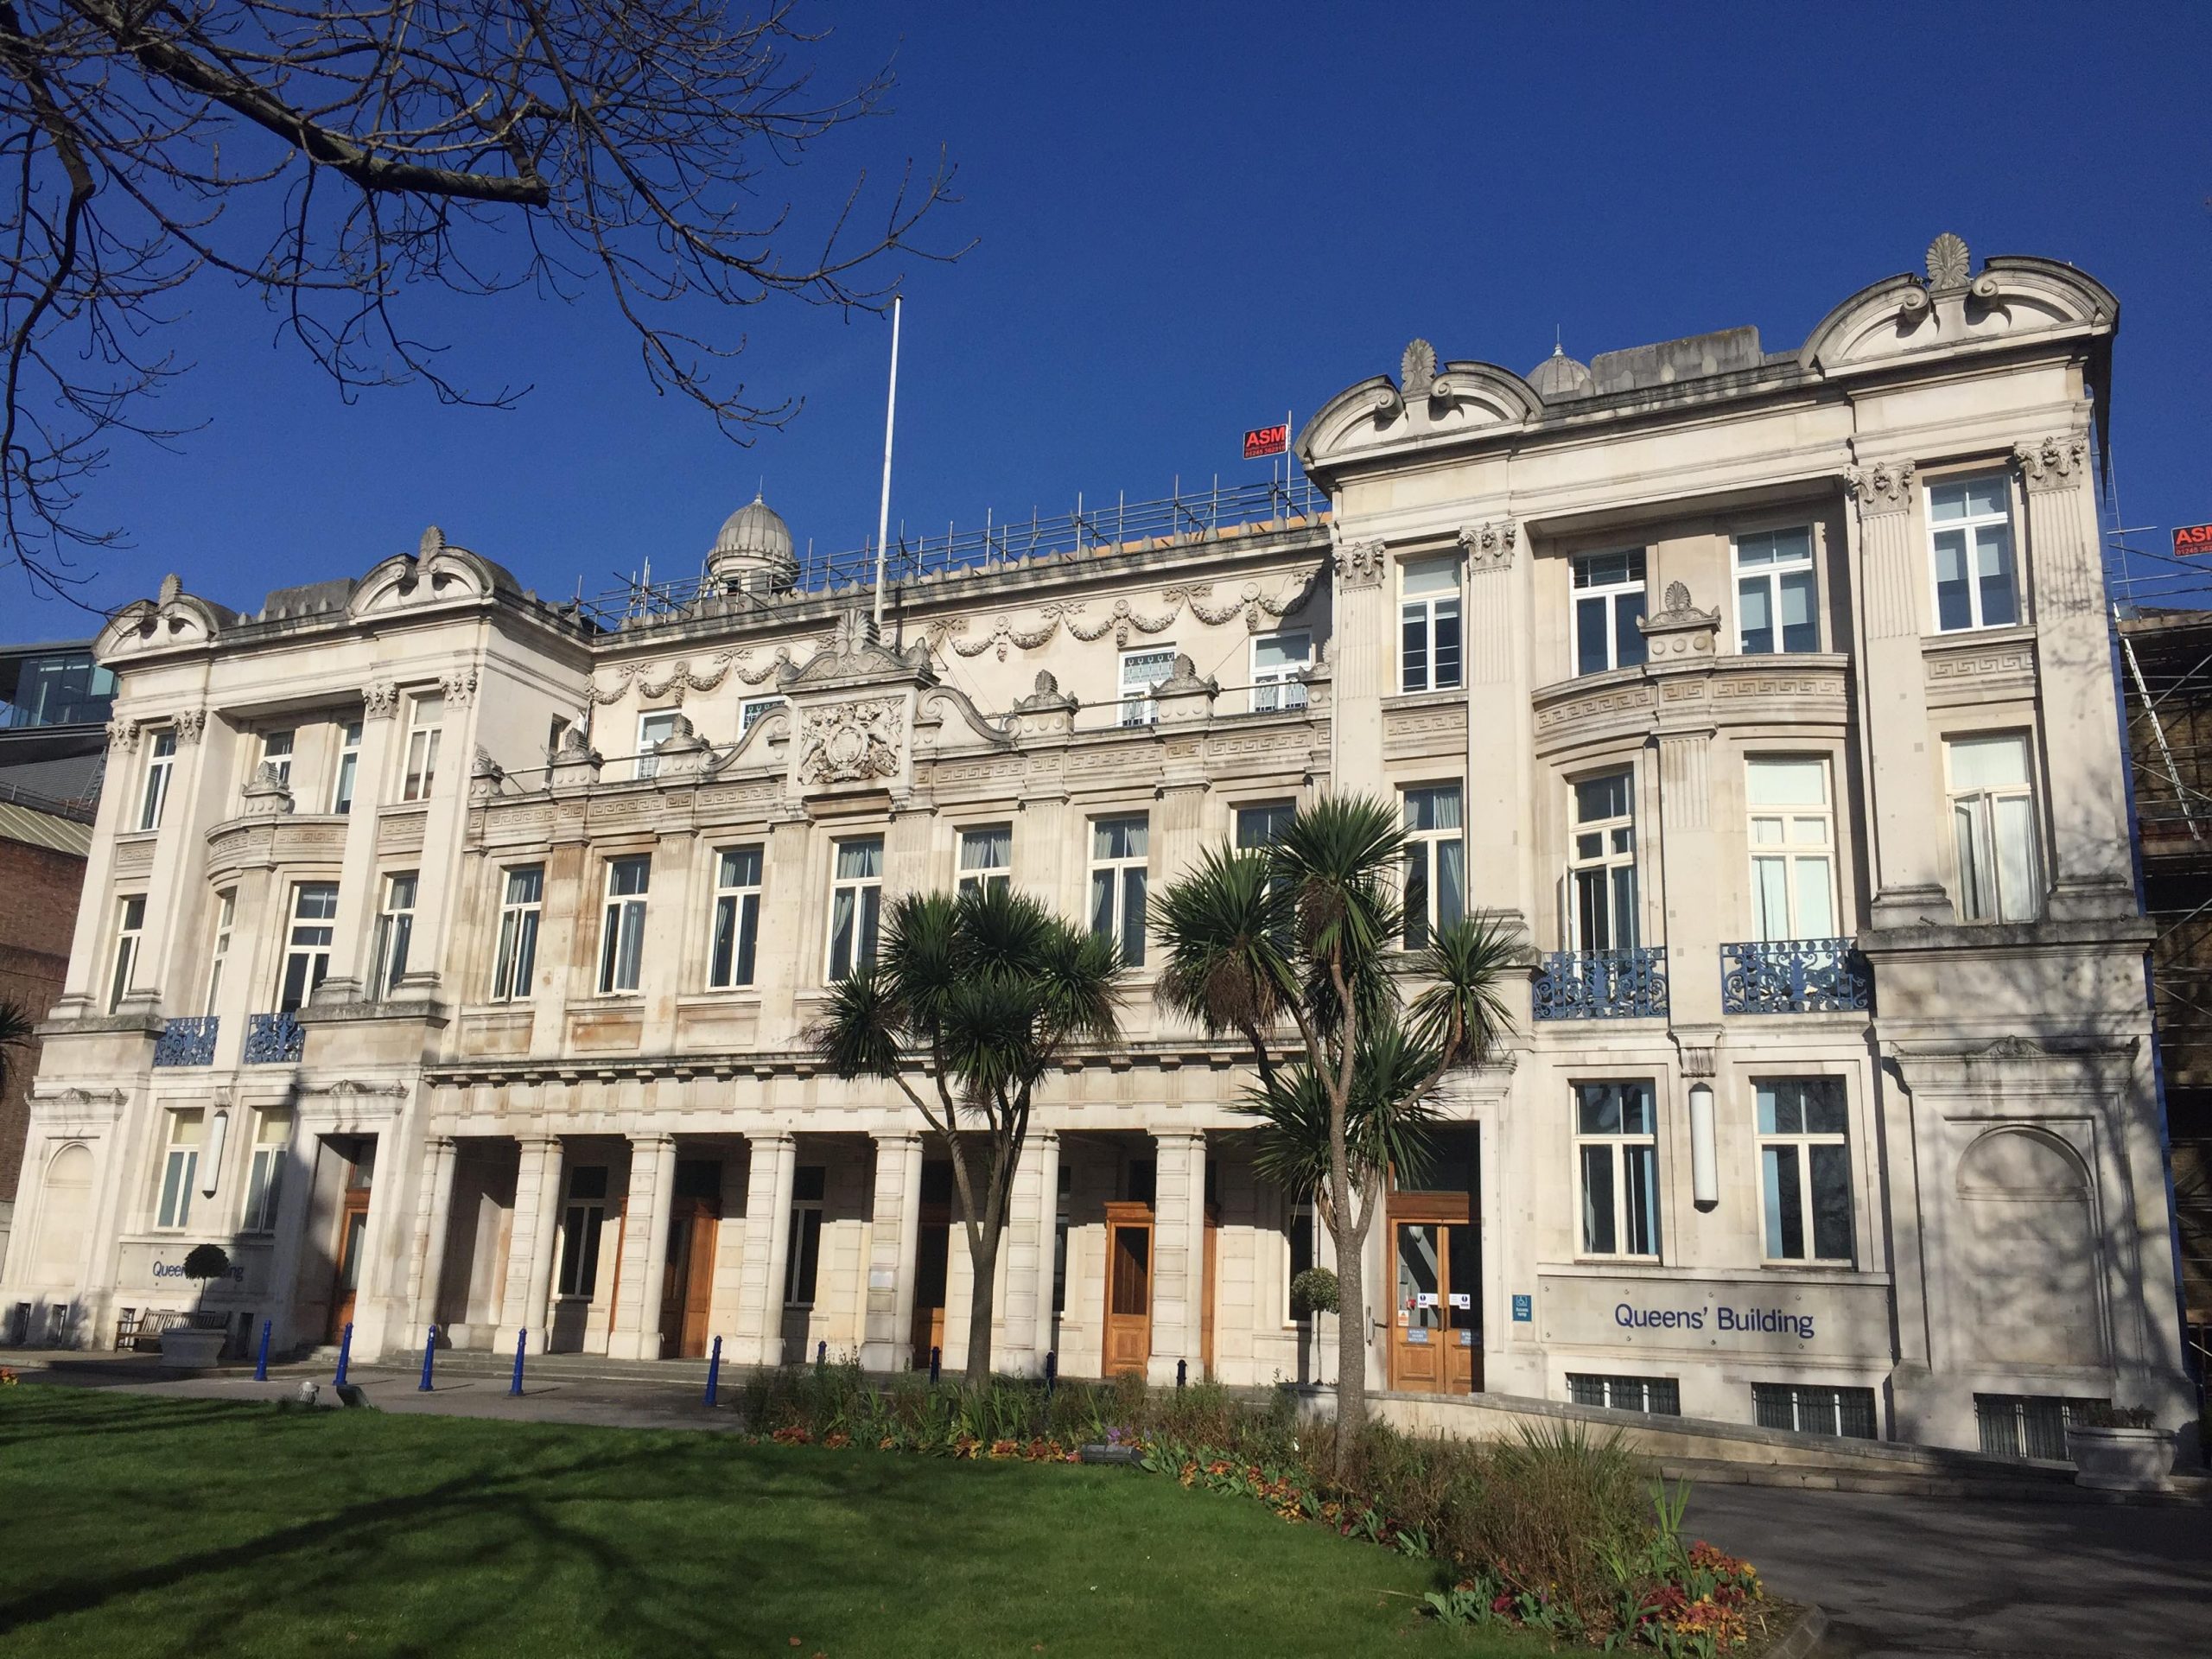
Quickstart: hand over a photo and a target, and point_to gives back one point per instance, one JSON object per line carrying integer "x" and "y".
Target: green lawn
{"x": 133, "y": 1526}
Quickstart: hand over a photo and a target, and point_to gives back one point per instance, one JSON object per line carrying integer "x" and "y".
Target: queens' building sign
{"x": 448, "y": 955}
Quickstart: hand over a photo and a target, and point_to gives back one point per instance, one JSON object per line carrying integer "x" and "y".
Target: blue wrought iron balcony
{"x": 187, "y": 1041}
{"x": 1602, "y": 984}
{"x": 273, "y": 1039}
{"x": 1794, "y": 976}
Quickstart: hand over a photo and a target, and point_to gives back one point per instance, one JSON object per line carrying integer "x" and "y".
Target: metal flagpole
{"x": 890, "y": 414}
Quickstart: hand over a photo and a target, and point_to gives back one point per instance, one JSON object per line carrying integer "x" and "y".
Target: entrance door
{"x": 353, "y": 1232}
{"x": 1129, "y": 1288}
{"x": 687, "y": 1286}
{"x": 932, "y": 1267}
{"x": 1436, "y": 1327}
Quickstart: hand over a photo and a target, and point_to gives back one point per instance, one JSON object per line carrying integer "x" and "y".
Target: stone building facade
{"x": 462, "y": 977}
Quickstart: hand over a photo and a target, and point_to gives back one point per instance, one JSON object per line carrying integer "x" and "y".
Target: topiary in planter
{"x": 1311, "y": 1292}
{"x": 207, "y": 1261}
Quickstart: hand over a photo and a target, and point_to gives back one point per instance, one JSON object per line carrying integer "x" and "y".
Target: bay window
{"x": 306, "y": 953}
{"x": 1601, "y": 864}
{"x": 1993, "y": 829}
{"x": 1793, "y": 848}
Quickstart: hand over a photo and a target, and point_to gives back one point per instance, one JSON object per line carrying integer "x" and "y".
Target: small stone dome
{"x": 1560, "y": 376}
{"x": 753, "y": 550}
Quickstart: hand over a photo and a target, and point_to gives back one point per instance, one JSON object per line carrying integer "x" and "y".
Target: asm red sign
{"x": 1263, "y": 441}
{"x": 2189, "y": 538}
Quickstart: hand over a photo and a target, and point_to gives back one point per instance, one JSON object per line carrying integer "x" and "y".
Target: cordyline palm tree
{"x": 17, "y": 1030}
{"x": 1295, "y": 948}
{"x": 982, "y": 995}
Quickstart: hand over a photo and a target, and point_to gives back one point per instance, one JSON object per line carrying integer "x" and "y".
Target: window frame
{"x": 1128, "y": 877}
{"x": 265, "y": 1171}
{"x": 1423, "y": 866}
{"x": 130, "y": 936}
{"x": 998, "y": 877}
{"x": 345, "y": 782}
{"x": 751, "y": 711}
{"x": 1968, "y": 526}
{"x": 1279, "y": 690}
{"x": 1441, "y": 618}
{"x": 1141, "y": 710}
{"x": 401, "y": 892}
{"x": 1791, "y": 854}
{"x": 279, "y": 758}
{"x": 803, "y": 1239}
{"x": 736, "y": 914}
{"x": 1617, "y": 1145}
{"x": 1611, "y": 594}
{"x": 180, "y": 1169}
{"x": 1769, "y": 575}
{"x": 647, "y": 761}
{"x": 219, "y": 954}
{"x": 583, "y": 1226}
{"x": 419, "y": 753}
{"x": 867, "y": 916}
{"x": 622, "y": 926}
{"x": 1620, "y": 880}
{"x": 1801, "y": 1143}
{"x": 1983, "y": 802}
{"x": 514, "y": 962}
{"x": 161, "y": 766}
{"x": 315, "y": 954}
{"x": 1297, "y": 1214}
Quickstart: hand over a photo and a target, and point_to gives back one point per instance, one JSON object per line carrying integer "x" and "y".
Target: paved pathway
{"x": 1952, "y": 1576}
{"x": 1899, "y": 1575}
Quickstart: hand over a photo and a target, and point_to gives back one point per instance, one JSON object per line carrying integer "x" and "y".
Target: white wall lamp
{"x": 211, "y": 1165}
{"x": 1704, "y": 1161}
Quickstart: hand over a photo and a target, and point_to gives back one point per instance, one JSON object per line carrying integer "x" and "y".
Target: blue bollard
{"x": 522, "y": 1346}
{"x": 936, "y": 1364}
{"x": 1052, "y": 1369}
{"x": 344, "y": 1353}
{"x": 429, "y": 1353}
{"x": 1182, "y": 1372}
{"x": 261, "y": 1360}
{"x": 821, "y": 1354}
{"x": 714, "y": 1371}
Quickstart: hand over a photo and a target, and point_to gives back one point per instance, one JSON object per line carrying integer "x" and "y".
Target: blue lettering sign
{"x": 1524, "y": 1311}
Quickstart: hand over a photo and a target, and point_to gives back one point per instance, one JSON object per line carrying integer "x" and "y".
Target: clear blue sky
{"x": 1190, "y": 218}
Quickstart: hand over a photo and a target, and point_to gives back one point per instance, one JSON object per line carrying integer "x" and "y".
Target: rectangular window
{"x": 1299, "y": 1243}
{"x": 1970, "y": 531}
{"x": 307, "y": 948}
{"x": 349, "y": 767}
{"x": 750, "y": 711}
{"x": 1655, "y": 1396}
{"x": 803, "y": 1256}
{"x": 1436, "y": 863}
{"x": 1775, "y": 605}
{"x": 1141, "y": 671}
{"x": 653, "y": 729}
{"x": 1601, "y": 865}
{"x": 180, "y": 1168}
{"x": 522, "y": 902}
{"x": 1119, "y": 856}
{"x": 986, "y": 858}
{"x": 226, "y": 916}
{"x": 161, "y": 761}
{"x": 277, "y": 755}
{"x": 855, "y": 906}
{"x": 1608, "y": 605}
{"x": 1793, "y": 849}
{"x": 1261, "y": 827}
{"x": 395, "y": 932}
{"x": 622, "y": 939}
{"x": 737, "y": 918}
{"x": 1993, "y": 824}
{"x": 1428, "y": 624}
{"x": 426, "y": 713}
{"x": 272, "y": 1135}
{"x": 1277, "y": 661}
{"x": 581, "y": 1221}
{"x": 1812, "y": 1410}
{"x": 1805, "y": 1164}
{"x": 130, "y": 928}
{"x": 1060, "y": 1241}
{"x": 1617, "y": 1148}
{"x": 2028, "y": 1424}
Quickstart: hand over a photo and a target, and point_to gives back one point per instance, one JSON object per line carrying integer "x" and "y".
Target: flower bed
{"x": 1554, "y": 1532}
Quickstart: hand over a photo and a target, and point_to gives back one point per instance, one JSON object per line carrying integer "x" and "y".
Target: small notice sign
{"x": 2192, "y": 538}
{"x": 1524, "y": 1310}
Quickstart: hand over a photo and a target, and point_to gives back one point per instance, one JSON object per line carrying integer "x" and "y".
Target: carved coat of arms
{"x": 850, "y": 742}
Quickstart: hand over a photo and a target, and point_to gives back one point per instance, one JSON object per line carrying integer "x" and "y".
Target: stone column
{"x": 357, "y": 904}
{"x": 1178, "y": 1248}
{"x": 1362, "y": 656}
{"x": 768, "y": 1245}
{"x": 430, "y": 1264}
{"x": 895, "y": 1244}
{"x": 643, "y": 1272}
{"x": 1046, "y": 1147}
{"x": 2092, "y": 872}
{"x": 1892, "y": 683}
{"x": 1498, "y": 753}
{"x": 529, "y": 1243}
{"x": 1025, "y": 1274}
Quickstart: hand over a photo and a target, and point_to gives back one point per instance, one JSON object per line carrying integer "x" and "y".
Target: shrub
{"x": 1313, "y": 1291}
{"x": 2100, "y": 1414}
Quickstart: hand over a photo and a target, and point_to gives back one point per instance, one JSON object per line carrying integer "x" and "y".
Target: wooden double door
{"x": 1436, "y": 1322}
{"x": 1127, "y": 1345}
{"x": 687, "y": 1294}
{"x": 353, "y": 1237}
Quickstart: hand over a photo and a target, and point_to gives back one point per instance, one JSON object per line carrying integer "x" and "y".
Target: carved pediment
{"x": 1429, "y": 402}
{"x": 1953, "y": 307}
{"x": 173, "y": 621}
{"x": 854, "y": 655}
{"x": 435, "y": 573}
